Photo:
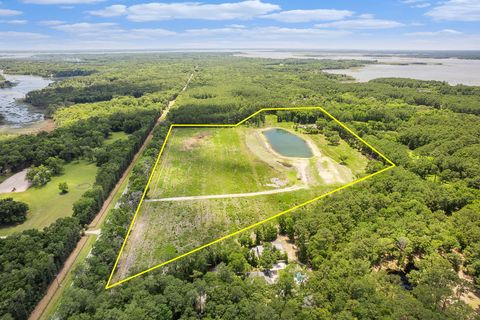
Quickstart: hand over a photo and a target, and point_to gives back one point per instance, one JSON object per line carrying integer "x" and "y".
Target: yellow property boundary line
{"x": 392, "y": 165}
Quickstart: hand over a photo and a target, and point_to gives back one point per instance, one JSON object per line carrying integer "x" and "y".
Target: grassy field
{"x": 206, "y": 161}
{"x": 164, "y": 230}
{"x": 203, "y": 161}
{"x": 355, "y": 160}
{"x": 115, "y": 136}
{"x": 46, "y": 203}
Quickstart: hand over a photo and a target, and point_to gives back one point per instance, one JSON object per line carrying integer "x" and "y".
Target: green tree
{"x": 54, "y": 165}
{"x": 434, "y": 282}
{"x": 12, "y": 211}
{"x": 238, "y": 263}
{"x": 332, "y": 137}
{"x": 63, "y": 187}
{"x": 39, "y": 176}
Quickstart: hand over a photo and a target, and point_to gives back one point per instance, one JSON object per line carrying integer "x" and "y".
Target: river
{"x": 452, "y": 70}
{"x": 17, "y": 113}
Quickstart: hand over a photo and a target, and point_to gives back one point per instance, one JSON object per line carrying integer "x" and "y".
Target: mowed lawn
{"x": 46, "y": 203}
{"x": 206, "y": 161}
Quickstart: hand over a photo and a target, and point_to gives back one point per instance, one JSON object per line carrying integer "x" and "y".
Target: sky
{"x": 229, "y": 24}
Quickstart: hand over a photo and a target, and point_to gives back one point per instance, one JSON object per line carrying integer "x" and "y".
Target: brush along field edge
{"x": 392, "y": 165}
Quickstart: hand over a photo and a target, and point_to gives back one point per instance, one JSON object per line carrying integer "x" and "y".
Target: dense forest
{"x": 403, "y": 245}
{"x": 93, "y": 78}
{"x": 30, "y": 260}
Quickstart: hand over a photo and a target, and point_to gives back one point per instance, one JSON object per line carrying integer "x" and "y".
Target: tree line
{"x": 30, "y": 260}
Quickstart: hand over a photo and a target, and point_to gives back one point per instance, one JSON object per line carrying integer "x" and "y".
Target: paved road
{"x": 230, "y": 195}
{"x": 92, "y": 230}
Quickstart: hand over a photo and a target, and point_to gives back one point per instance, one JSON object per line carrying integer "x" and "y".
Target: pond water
{"x": 16, "y": 112}
{"x": 287, "y": 144}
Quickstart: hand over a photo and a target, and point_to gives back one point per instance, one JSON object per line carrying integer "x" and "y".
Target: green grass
{"x": 199, "y": 161}
{"x": 46, "y": 203}
{"x": 115, "y": 136}
{"x": 167, "y": 229}
{"x": 203, "y": 161}
{"x": 356, "y": 161}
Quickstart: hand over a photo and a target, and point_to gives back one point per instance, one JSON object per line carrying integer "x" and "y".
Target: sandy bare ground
{"x": 231, "y": 195}
{"x": 17, "y": 182}
{"x": 96, "y": 232}
{"x": 470, "y": 297}
{"x": 330, "y": 171}
{"x": 289, "y": 247}
{"x": 45, "y": 125}
{"x": 128, "y": 257}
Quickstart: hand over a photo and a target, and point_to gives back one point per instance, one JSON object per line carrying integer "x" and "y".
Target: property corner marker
{"x": 388, "y": 161}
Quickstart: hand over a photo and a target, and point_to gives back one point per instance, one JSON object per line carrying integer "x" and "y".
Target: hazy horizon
{"x": 235, "y": 25}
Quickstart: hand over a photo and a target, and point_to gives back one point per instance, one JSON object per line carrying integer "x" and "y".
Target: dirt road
{"x": 93, "y": 230}
{"x": 57, "y": 282}
{"x": 231, "y": 195}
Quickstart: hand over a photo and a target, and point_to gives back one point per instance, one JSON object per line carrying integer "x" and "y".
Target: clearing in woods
{"x": 46, "y": 203}
{"x": 211, "y": 182}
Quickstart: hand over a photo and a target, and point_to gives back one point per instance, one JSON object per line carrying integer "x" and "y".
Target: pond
{"x": 287, "y": 144}
{"x": 16, "y": 112}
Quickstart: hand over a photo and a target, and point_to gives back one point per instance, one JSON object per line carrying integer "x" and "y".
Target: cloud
{"x": 366, "y": 16}
{"x": 51, "y": 22}
{"x": 17, "y": 22}
{"x": 107, "y": 30}
{"x": 456, "y": 10}
{"x": 417, "y": 3}
{"x": 295, "y": 16}
{"x": 444, "y": 32}
{"x": 112, "y": 11}
{"x": 361, "y": 24}
{"x": 8, "y": 12}
{"x": 148, "y": 33}
{"x": 265, "y": 33}
{"x": 239, "y": 26}
{"x": 22, "y": 35}
{"x": 62, "y": 1}
{"x": 157, "y": 11}
{"x": 86, "y": 29}
{"x": 422, "y": 5}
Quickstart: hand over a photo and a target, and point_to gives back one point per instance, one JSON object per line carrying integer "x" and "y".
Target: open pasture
{"x": 46, "y": 203}
{"x": 211, "y": 182}
{"x": 205, "y": 161}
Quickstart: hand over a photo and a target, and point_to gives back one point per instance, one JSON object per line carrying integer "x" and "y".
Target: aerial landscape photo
{"x": 240, "y": 159}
